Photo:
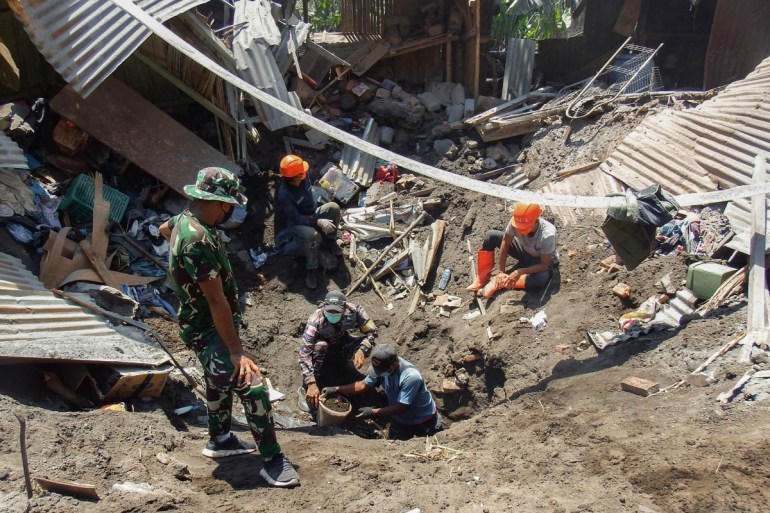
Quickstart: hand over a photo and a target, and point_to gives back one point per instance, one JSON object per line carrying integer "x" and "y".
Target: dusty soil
{"x": 542, "y": 426}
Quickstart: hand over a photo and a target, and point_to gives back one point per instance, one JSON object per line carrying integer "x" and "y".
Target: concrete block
{"x": 639, "y": 386}
{"x": 454, "y": 113}
{"x": 429, "y": 101}
{"x": 458, "y": 95}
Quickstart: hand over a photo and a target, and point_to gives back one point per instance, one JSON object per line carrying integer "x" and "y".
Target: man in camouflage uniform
{"x": 208, "y": 319}
{"x": 327, "y": 347}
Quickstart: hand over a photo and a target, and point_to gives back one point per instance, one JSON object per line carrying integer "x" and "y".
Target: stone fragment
{"x": 639, "y": 386}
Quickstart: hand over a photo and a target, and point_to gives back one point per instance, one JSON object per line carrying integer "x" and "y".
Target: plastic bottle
{"x": 444, "y": 281}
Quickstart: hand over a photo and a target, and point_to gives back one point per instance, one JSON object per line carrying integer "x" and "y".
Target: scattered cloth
{"x": 538, "y": 321}
{"x": 19, "y": 233}
{"x": 260, "y": 254}
{"x": 15, "y": 193}
{"x": 148, "y": 296}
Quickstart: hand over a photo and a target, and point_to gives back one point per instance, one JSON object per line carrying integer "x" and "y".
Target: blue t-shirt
{"x": 407, "y": 387}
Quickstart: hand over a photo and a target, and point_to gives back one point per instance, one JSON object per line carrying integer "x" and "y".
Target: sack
{"x": 631, "y": 227}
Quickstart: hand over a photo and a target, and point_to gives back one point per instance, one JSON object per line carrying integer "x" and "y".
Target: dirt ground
{"x": 543, "y": 425}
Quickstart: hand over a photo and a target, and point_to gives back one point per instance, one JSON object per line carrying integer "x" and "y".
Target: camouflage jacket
{"x": 336, "y": 337}
{"x": 196, "y": 253}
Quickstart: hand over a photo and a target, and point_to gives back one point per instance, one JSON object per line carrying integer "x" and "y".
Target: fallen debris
{"x": 68, "y": 488}
{"x": 639, "y": 386}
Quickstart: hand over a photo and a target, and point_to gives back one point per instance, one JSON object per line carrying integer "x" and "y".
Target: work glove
{"x": 328, "y": 391}
{"x": 365, "y": 413}
{"x": 327, "y": 226}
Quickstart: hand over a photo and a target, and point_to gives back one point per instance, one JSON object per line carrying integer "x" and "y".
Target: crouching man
{"x": 411, "y": 408}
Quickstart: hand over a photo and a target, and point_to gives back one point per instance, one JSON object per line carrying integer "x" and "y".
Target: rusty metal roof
{"x": 11, "y": 156}
{"x": 35, "y": 325}
{"x": 709, "y": 147}
{"x": 86, "y": 40}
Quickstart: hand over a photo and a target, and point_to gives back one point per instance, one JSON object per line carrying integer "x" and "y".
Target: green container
{"x": 79, "y": 200}
{"x": 704, "y": 278}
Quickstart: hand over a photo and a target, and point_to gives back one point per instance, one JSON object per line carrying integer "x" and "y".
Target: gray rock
{"x": 442, "y": 146}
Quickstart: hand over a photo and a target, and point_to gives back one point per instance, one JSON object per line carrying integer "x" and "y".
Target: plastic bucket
{"x": 328, "y": 417}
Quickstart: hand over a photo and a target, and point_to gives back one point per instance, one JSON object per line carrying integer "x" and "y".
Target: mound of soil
{"x": 541, "y": 424}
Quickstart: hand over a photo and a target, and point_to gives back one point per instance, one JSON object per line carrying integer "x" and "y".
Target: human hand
{"x": 311, "y": 395}
{"x": 365, "y": 413}
{"x": 245, "y": 370}
{"x": 326, "y": 225}
{"x": 358, "y": 358}
{"x": 501, "y": 279}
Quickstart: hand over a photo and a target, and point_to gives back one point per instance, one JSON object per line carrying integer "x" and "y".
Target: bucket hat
{"x": 216, "y": 184}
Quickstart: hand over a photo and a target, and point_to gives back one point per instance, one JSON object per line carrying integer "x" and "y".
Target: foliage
{"x": 324, "y": 15}
{"x": 546, "y": 20}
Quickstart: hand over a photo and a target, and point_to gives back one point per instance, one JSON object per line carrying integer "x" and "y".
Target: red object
{"x": 387, "y": 173}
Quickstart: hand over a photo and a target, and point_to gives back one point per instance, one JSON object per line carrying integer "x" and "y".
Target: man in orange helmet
{"x": 309, "y": 225}
{"x": 529, "y": 239}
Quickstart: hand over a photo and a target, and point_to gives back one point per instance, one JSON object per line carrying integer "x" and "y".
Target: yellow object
{"x": 114, "y": 407}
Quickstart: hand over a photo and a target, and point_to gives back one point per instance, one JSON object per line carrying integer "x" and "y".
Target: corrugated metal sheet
{"x": 256, "y": 64}
{"x": 35, "y": 325}
{"x": 519, "y": 62}
{"x": 85, "y": 40}
{"x": 740, "y": 39}
{"x": 11, "y": 156}
{"x": 357, "y": 165}
{"x": 592, "y": 182}
{"x": 708, "y": 147}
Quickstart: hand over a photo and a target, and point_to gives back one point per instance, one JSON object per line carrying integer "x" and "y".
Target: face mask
{"x": 228, "y": 215}
{"x": 384, "y": 374}
{"x": 333, "y": 318}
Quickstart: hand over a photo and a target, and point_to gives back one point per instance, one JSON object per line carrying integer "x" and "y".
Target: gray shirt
{"x": 541, "y": 242}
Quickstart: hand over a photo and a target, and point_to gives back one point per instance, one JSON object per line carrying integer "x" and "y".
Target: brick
{"x": 639, "y": 386}
{"x": 622, "y": 290}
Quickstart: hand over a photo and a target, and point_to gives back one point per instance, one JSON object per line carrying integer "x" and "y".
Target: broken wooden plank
{"x": 99, "y": 266}
{"x": 390, "y": 264}
{"x": 564, "y": 173}
{"x": 366, "y": 273}
{"x": 68, "y": 487}
{"x": 437, "y": 230}
{"x": 121, "y": 119}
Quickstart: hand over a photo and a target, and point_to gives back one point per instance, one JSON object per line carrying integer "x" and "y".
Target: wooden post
{"x": 758, "y": 301}
{"x": 476, "y": 49}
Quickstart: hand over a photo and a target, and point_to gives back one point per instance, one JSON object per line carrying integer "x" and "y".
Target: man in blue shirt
{"x": 411, "y": 408}
{"x": 303, "y": 219}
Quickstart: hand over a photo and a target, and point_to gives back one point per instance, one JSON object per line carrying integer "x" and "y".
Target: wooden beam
{"x": 189, "y": 91}
{"x": 758, "y": 301}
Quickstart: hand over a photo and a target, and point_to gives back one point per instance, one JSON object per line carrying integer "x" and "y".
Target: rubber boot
{"x": 494, "y": 285}
{"x": 485, "y": 262}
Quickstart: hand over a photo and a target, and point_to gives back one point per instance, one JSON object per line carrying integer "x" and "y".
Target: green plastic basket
{"x": 79, "y": 200}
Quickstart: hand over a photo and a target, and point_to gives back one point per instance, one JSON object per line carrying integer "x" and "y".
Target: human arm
{"x": 246, "y": 371}
{"x": 358, "y": 387}
{"x": 386, "y": 411}
{"x": 306, "y": 367}
{"x": 289, "y": 202}
{"x": 542, "y": 266}
{"x": 367, "y": 327}
{"x": 165, "y": 230}
{"x": 507, "y": 239}
{"x": 167, "y": 227}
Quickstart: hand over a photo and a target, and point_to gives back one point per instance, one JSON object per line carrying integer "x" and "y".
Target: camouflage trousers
{"x": 217, "y": 369}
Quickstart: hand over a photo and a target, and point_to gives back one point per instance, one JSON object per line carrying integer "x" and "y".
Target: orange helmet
{"x": 292, "y": 165}
{"x": 525, "y": 215}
